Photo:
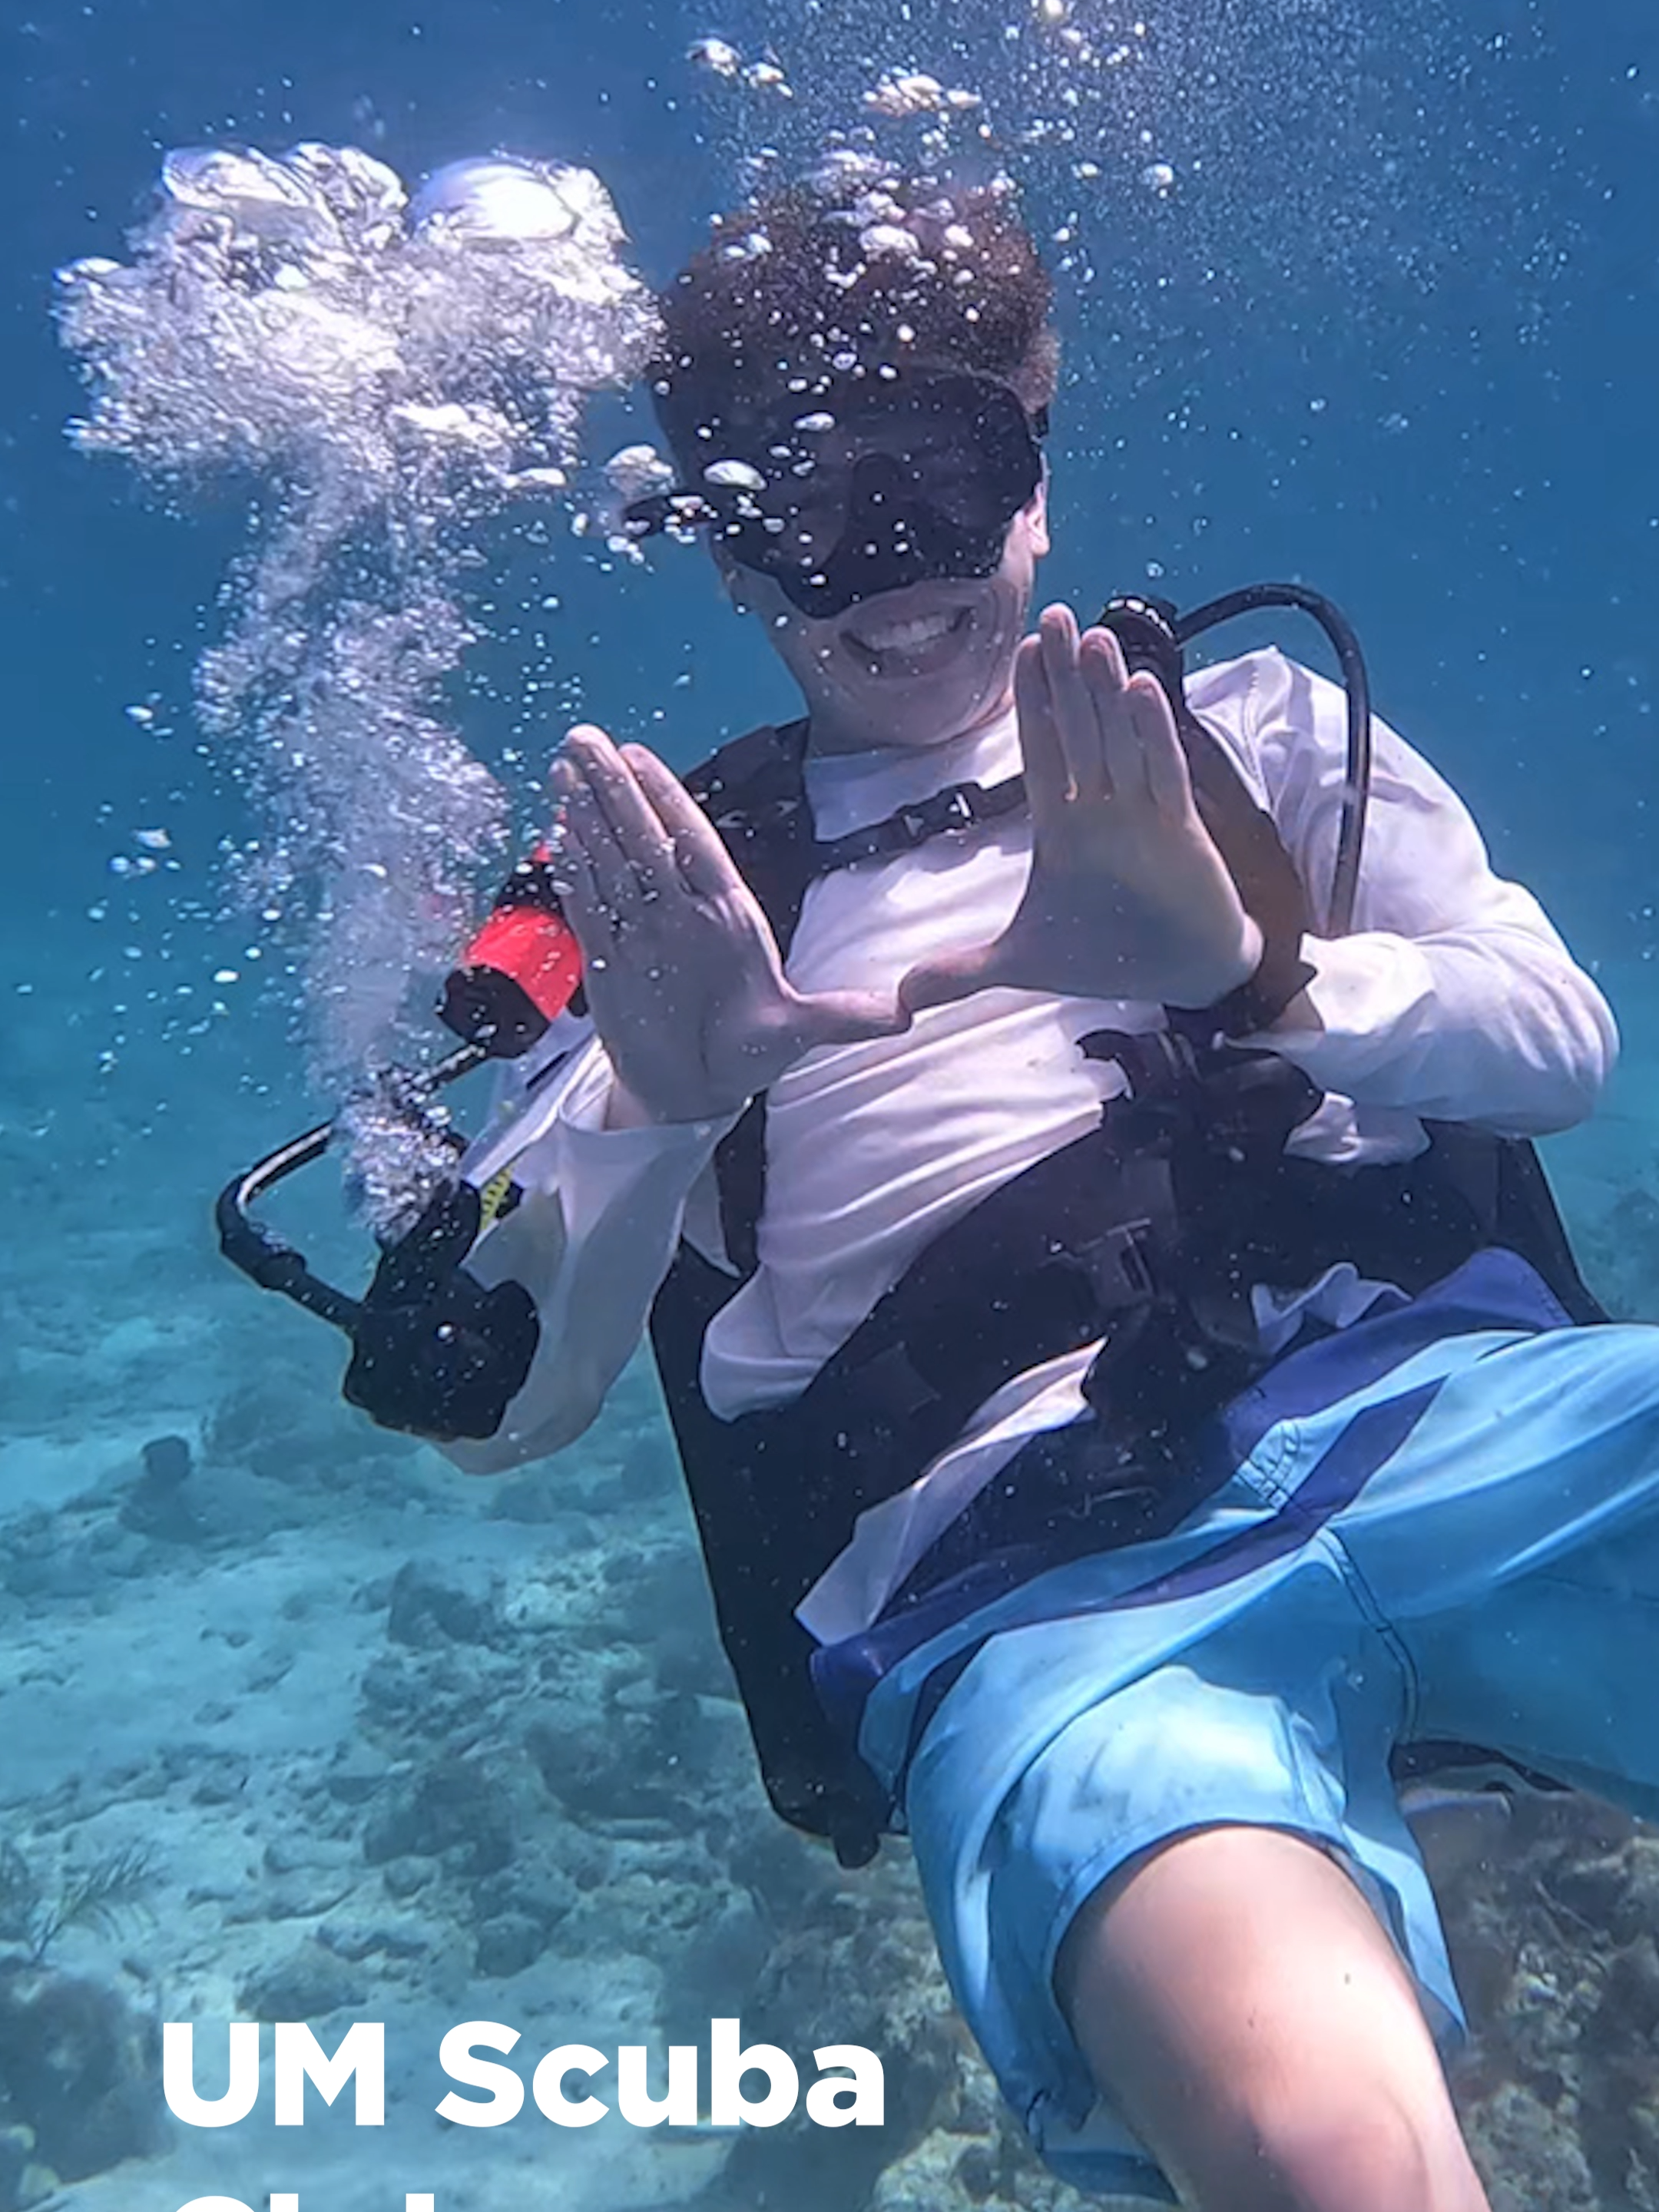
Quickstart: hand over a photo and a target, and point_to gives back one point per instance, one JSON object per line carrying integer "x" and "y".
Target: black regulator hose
{"x": 263, "y": 1255}
{"x": 1357, "y": 783}
{"x": 259, "y": 1253}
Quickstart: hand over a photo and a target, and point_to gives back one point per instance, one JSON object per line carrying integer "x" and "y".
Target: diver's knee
{"x": 1362, "y": 2150}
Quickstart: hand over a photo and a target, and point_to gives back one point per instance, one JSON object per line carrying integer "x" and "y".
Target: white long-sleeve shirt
{"x": 1451, "y": 998}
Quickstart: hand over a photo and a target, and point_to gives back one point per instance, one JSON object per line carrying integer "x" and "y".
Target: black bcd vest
{"x": 1147, "y": 1233}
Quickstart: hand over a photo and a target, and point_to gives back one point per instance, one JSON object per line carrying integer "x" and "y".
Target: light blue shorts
{"x": 1466, "y": 1547}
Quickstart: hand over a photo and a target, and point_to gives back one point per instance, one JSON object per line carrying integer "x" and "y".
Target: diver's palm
{"x": 699, "y": 1020}
{"x": 682, "y": 970}
{"x": 1128, "y": 897}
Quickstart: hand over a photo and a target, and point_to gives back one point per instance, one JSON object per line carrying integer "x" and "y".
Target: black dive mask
{"x": 847, "y": 496}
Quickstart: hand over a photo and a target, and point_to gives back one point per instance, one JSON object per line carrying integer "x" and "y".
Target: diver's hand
{"x": 680, "y": 966}
{"x": 1128, "y": 897}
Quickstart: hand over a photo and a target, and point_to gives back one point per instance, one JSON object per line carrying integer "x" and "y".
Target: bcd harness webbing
{"x": 1147, "y": 1234}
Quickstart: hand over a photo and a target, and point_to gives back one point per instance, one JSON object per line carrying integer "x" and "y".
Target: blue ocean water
{"x": 1365, "y": 295}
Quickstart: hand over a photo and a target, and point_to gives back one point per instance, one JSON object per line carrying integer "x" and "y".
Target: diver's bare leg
{"x": 1236, "y": 1998}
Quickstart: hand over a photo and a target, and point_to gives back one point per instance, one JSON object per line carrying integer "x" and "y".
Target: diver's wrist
{"x": 1219, "y": 980}
{"x": 1247, "y": 957}
{"x": 624, "y": 1109}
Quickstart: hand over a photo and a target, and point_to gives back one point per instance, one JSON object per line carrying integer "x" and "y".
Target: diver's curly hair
{"x": 854, "y": 270}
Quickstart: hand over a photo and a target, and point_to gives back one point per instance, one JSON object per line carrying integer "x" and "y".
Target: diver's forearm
{"x": 1495, "y": 1027}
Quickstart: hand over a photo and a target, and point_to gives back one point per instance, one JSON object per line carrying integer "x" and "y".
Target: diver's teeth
{"x": 906, "y": 637}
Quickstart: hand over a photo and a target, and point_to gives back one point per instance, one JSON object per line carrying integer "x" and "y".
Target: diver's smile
{"x": 889, "y": 638}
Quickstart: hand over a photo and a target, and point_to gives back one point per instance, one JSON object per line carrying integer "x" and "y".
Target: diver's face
{"x": 909, "y": 668}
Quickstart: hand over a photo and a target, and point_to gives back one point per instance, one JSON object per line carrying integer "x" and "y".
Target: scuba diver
{"x": 1070, "y": 1158}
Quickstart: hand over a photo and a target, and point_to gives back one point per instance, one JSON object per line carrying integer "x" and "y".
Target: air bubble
{"x": 395, "y": 369}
